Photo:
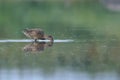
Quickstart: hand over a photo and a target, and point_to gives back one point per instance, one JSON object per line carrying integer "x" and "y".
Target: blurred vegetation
{"x": 55, "y": 17}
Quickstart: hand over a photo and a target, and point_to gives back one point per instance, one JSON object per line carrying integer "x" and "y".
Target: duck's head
{"x": 50, "y": 38}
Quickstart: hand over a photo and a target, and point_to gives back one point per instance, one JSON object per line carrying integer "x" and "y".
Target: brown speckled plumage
{"x": 37, "y": 34}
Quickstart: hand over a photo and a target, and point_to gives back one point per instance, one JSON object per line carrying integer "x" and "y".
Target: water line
{"x": 30, "y": 40}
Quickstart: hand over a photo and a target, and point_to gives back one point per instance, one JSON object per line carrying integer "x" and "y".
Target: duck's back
{"x": 37, "y": 33}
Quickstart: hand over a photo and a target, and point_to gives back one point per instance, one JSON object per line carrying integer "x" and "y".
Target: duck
{"x": 37, "y": 34}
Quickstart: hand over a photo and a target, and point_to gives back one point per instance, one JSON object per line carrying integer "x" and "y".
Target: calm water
{"x": 64, "y": 60}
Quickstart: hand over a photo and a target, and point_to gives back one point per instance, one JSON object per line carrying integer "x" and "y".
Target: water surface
{"x": 65, "y": 59}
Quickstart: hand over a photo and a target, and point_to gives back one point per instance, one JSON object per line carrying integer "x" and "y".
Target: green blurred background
{"x": 64, "y": 19}
{"x": 56, "y": 17}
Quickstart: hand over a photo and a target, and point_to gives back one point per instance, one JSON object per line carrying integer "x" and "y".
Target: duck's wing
{"x": 40, "y": 32}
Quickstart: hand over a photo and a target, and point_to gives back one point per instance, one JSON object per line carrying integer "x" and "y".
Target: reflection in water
{"x": 37, "y": 46}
